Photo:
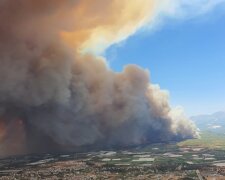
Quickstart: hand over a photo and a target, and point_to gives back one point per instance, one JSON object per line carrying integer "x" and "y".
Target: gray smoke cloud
{"x": 55, "y": 98}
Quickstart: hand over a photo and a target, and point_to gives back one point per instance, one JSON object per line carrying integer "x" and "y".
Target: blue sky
{"x": 184, "y": 56}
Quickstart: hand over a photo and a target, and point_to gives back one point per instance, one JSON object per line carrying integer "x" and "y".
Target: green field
{"x": 207, "y": 140}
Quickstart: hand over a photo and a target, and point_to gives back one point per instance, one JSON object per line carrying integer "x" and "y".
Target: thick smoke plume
{"x": 54, "y": 96}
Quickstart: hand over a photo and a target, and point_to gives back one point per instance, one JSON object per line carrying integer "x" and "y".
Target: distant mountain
{"x": 214, "y": 122}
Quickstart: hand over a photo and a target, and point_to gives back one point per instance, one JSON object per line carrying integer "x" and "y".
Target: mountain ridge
{"x": 210, "y": 122}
